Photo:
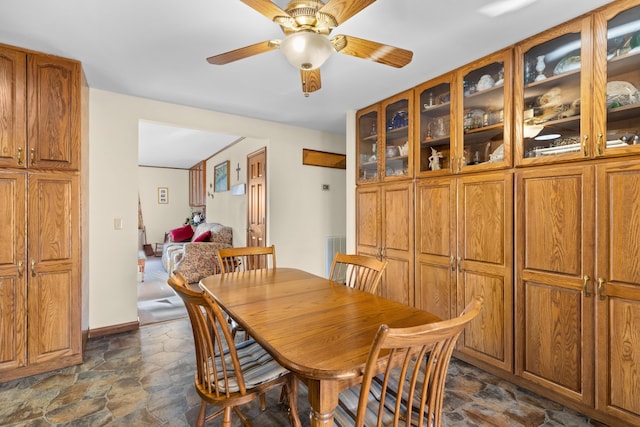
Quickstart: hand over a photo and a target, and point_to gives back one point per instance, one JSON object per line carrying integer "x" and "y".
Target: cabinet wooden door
{"x": 13, "y": 67}
{"x": 13, "y": 315}
{"x": 54, "y": 305}
{"x": 434, "y": 127}
{"x": 464, "y": 248}
{"x": 553, "y": 95}
{"x": 368, "y": 221}
{"x": 384, "y": 221}
{"x": 395, "y": 148}
{"x": 197, "y": 185}
{"x": 368, "y": 131}
{"x": 397, "y": 242}
{"x": 618, "y": 290}
{"x": 435, "y": 289}
{"x": 554, "y": 293}
{"x": 54, "y": 112}
{"x": 484, "y": 265}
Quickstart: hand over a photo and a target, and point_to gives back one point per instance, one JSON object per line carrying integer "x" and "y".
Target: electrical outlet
{"x": 325, "y": 187}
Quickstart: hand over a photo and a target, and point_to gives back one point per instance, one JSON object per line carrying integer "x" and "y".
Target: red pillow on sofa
{"x": 182, "y": 234}
{"x": 204, "y": 237}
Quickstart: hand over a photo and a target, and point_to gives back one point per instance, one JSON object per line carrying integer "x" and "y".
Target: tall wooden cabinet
{"x": 527, "y": 191}
{"x": 384, "y": 218}
{"x": 464, "y": 248}
{"x": 41, "y": 134}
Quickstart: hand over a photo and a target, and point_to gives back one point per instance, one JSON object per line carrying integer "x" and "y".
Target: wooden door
{"x": 618, "y": 290}
{"x": 54, "y": 112}
{"x": 368, "y": 212}
{"x": 397, "y": 242}
{"x": 54, "y": 306}
{"x": 435, "y": 246}
{"x": 484, "y": 265}
{"x": 554, "y": 294}
{"x": 13, "y": 314}
{"x": 13, "y": 69}
{"x": 257, "y": 201}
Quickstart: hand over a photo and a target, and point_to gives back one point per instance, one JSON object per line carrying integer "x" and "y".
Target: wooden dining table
{"x": 318, "y": 329}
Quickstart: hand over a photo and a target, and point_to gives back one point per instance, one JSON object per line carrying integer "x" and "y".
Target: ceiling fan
{"x": 307, "y": 25}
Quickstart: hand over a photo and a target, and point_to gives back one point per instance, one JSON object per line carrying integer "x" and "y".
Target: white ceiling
{"x": 158, "y": 48}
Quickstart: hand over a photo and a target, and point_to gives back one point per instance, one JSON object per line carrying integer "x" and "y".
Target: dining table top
{"x": 316, "y": 328}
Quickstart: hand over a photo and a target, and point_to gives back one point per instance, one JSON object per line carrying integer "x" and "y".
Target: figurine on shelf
{"x": 540, "y": 66}
{"x": 434, "y": 160}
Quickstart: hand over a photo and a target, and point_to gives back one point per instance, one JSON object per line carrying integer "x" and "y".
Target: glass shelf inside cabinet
{"x": 396, "y": 148}
{"x": 368, "y": 146}
{"x": 623, "y": 80}
{"x": 435, "y": 128}
{"x": 483, "y": 115}
{"x": 552, "y": 97}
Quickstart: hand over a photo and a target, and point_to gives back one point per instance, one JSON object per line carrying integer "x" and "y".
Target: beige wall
{"x": 300, "y": 216}
{"x": 160, "y": 218}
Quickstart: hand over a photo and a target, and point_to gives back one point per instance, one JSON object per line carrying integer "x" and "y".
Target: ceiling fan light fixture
{"x": 306, "y": 50}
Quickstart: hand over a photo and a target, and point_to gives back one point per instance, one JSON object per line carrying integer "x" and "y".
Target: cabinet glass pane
{"x": 483, "y": 115}
{"x": 623, "y": 79}
{"x": 552, "y": 97}
{"x": 396, "y": 147}
{"x": 368, "y": 146}
{"x": 435, "y": 128}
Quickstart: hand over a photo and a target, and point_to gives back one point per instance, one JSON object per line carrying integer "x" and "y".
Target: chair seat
{"x": 258, "y": 367}
{"x": 345, "y": 414}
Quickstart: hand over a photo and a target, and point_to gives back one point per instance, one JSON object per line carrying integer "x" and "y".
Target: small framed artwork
{"x": 221, "y": 177}
{"x": 163, "y": 195}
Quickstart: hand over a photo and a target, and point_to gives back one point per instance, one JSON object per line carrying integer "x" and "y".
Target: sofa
{"x": 210, "y": 234}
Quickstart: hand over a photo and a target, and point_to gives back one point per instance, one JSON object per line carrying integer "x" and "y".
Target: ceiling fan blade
{"x": 342, "y": 10}
{"x": 243, "y": 52}
{"x": 373, "y": 51}
{"x": 266, "y": 7}
{"x": 310, "y": 80}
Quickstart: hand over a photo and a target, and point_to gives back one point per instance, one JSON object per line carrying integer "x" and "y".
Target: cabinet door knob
{"x": 584, "y": 145}
{"x": 20, "y": 264}
{"x": 32, "y": 156}
{"x": 33, "y": 268}
{"x": 601, "y": 288}
{"x": 453, "y": 263}
{"x": 459, "y": 265}
{"x": 585, "y": 286}
{"x": 19, "y": 155}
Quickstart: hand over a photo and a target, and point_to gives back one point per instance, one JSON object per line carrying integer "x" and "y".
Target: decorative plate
{"x": 567, "y": 64}
{"x": 621, "y": 93}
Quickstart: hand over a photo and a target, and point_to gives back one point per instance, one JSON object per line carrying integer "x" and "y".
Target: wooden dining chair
{"x": 228, "y": 374}
{"x": 247, "y": 258}
{"x": 414, "y": 363}
{"x": 357, "y": 271}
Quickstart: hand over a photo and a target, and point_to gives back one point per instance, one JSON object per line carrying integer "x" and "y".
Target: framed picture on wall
{"x": 221, "y": 177}
{"x": 163, "y": 195}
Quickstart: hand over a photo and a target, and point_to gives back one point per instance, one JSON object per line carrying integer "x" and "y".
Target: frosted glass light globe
{"x": 306, "y": 50}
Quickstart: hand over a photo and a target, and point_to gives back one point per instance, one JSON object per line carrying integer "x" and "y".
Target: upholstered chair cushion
{"x": 199, "y": 260}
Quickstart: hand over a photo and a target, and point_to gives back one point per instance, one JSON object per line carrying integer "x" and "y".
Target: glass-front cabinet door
{"x": 552, "y": 95}
{"x": 395, "y": 152}
{"x": 434, "y": 150}
{"x": 368, "y": 124}
{"x": 485, "y": 135}
{"x": 618, "y": 104}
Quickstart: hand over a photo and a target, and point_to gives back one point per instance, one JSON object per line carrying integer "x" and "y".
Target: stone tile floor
{"x": 145, "y": 378}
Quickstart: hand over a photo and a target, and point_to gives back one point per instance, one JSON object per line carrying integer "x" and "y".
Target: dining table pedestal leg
{"x": 323, "y": 398}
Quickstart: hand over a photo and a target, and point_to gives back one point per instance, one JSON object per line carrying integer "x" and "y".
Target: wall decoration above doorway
{"x": 221, "y": 177}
